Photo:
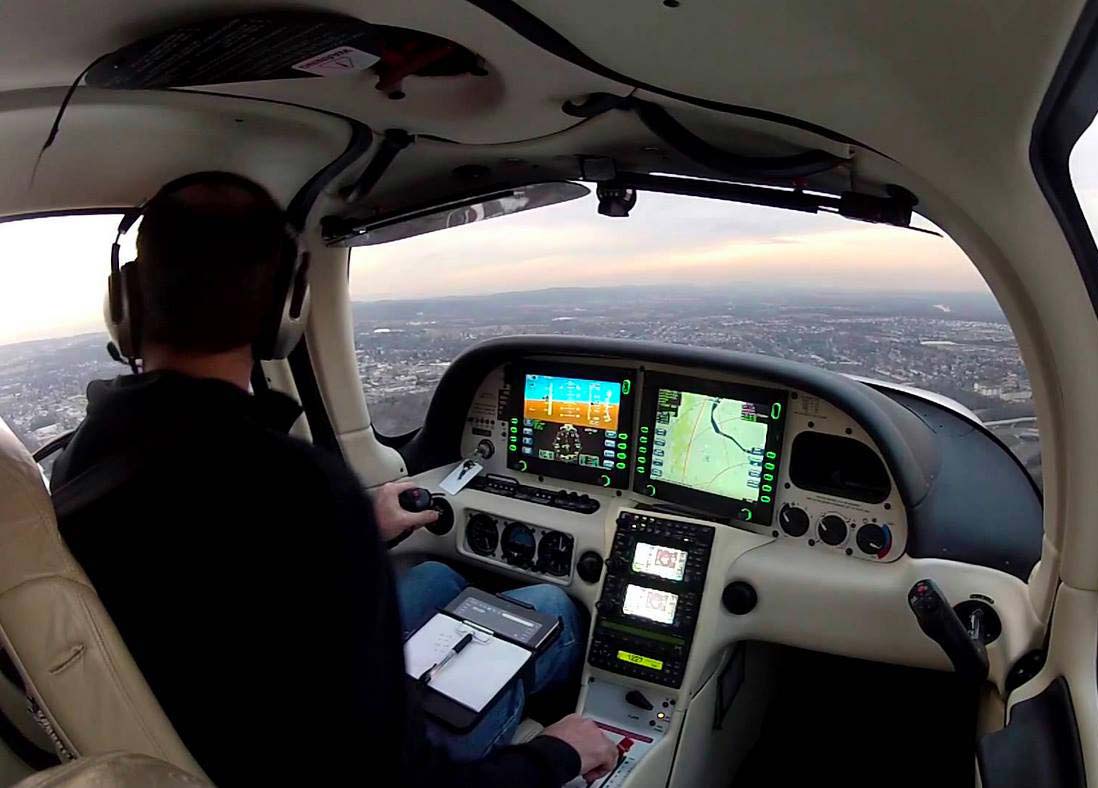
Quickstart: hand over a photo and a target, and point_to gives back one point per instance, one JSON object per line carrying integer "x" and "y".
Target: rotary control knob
{"x": 793, "y": 520}
{"x": 518, "y": 544}
{"x": 832, "y": 529}
{"x": 482, "y": 535}
{"x": 872, "y": 539}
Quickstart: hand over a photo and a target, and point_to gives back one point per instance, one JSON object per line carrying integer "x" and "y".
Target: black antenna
{"x": 56, "y": 127}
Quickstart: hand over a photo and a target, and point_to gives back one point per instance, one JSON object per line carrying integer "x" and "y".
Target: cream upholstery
{"x": 73, "y": 661}
{"x": 114, "y": 770}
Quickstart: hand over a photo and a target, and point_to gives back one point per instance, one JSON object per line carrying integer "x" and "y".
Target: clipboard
{"x": 507, "y": 636}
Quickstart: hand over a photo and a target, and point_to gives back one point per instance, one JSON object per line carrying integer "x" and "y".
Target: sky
{"x": 54, "y": 270}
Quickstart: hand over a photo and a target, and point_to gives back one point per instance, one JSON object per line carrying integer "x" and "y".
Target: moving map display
{"x": 568, "y": 420}
{"x": 711, "y": 445}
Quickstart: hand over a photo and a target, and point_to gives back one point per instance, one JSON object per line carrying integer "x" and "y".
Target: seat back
{"x": 114, "y": 770}
{"x": 83, "y": 684}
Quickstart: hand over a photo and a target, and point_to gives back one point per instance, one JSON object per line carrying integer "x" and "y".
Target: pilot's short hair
{"x": 209, "y": 248}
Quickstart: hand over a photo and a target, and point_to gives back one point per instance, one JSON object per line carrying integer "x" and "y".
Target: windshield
{"x": 873, "y": 301}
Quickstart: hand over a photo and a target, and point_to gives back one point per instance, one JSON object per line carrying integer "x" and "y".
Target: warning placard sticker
{"x": 341, "y": 60}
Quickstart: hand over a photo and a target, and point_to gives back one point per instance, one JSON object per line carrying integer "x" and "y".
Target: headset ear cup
{"x": 290, "y": 304}
{"x": 123, "y": 310}
{"x": 136, "y": 306}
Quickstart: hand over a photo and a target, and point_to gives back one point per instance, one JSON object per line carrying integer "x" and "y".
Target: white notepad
{"x": 474, "y": 676}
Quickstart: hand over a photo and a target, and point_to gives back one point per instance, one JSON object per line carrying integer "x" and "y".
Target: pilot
{"x": 243, "y": 568}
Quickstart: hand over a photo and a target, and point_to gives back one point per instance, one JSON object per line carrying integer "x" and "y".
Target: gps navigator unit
{"x": 710, "y": 445}
{"x": 571, "y": 422}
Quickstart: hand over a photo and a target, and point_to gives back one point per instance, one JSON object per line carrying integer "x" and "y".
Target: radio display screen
{"x": 711, "y": 445}
{"x": 638, "y": 659}
{"x": 572, "y": 423}
{"x": 665, "y": 562}
{"x": 650, "y": 603}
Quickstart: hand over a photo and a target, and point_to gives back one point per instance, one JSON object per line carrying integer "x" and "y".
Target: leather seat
{"x": 114, "y": 770}
{"x": 85, "y": 688}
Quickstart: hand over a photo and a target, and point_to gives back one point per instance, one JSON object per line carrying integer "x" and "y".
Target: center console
{"x": 649, "y": 605}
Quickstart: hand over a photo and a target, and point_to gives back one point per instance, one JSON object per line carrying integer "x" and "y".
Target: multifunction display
{"x": 710, "y": 445}
{"x": 571, "y": 423}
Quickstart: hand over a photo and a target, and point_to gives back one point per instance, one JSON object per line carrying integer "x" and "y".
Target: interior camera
{"x": 616, "y": 200}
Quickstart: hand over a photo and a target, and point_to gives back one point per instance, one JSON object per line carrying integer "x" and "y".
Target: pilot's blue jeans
{"x": 426, "y": 587}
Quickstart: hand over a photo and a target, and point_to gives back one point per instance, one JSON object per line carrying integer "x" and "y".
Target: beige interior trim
{"x": 330, "y": 335}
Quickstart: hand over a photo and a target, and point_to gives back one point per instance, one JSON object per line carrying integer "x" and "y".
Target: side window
{"x": 867, "y": 300}
{"x": 52, "y": 339}
{"x": 1083, "y": 165}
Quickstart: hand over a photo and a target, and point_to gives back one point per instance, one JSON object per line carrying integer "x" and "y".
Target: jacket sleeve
{"x": 385, "y": 713}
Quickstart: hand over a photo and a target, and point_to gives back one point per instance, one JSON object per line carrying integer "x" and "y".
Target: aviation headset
{"x": 283, "y": 324}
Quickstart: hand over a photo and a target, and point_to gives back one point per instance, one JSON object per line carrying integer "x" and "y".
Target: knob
{"x": 518, "y": 544}
{"x": 485, "y": 449}
{"x": 832, "y": 529}
{"x": 616, "y": 564}
{"x": 445, "y": 519}
{"x": 739, "y": 597}
{"x": 481, "y": 534}
{"x": 589, "y": 567}
{"x": 872, "y": 539}
{"x": 415, "y": 499}
{"x": 793, "y": 520}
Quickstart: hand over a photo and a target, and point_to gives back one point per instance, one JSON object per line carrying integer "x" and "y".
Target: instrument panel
{"x": 733, "y": 450}
{"x": 782, "y": 503}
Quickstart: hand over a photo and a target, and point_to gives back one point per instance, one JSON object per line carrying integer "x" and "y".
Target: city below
{"x": 956, "y": 345}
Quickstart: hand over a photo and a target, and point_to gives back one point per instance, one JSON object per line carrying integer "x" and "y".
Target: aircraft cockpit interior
{"x": 554, "y": 275}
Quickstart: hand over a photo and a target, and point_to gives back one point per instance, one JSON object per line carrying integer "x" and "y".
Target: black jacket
{"x": 243, "y": 570}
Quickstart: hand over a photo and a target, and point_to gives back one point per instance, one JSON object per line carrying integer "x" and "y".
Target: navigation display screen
{"x": 665, "y": 562}
{"x": 710, "y": 445}
{"x": 575, "y": 426}
{"x": 650, "y": 603}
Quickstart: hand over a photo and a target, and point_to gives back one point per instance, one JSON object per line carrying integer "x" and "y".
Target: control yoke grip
{"x": 941, "y": 624}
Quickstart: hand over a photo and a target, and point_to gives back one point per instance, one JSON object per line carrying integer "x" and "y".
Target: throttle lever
{"x": 941, "y": 624}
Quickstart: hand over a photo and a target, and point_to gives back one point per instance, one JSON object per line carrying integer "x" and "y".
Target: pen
{"x": 432, "y": 671}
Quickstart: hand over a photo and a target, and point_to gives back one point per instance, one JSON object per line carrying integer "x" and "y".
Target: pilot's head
{"x": 210, "y": 248}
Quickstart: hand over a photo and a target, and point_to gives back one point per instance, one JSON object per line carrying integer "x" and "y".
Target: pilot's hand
{"x": 392, "y": 519}
{"x": 598, "y": 755}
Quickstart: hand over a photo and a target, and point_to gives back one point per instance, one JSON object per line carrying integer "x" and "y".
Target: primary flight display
{"x": 572, "y": 426}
